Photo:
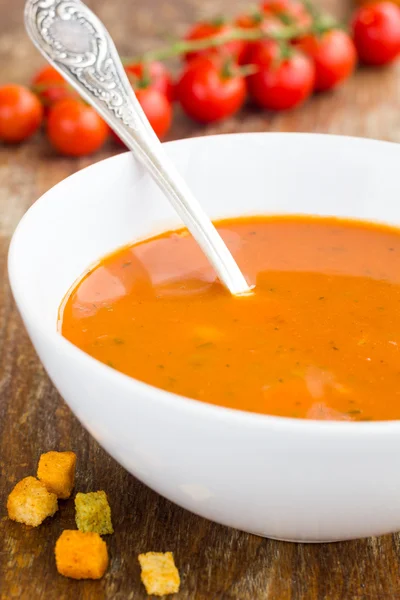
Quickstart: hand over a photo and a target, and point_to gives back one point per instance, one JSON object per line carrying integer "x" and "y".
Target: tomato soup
{"x": 318, "y": 339}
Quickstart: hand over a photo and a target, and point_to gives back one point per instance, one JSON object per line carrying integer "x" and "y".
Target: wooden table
{"x": 215, "y": 562}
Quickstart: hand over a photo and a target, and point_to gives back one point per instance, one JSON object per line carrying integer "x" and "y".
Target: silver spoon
{"x": 77, "y": 44}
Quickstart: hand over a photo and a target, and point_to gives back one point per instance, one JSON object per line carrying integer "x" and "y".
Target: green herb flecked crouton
{"x": 93, "y": 513}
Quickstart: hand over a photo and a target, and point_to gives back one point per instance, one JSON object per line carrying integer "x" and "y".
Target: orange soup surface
{"x": 318, "y": 339}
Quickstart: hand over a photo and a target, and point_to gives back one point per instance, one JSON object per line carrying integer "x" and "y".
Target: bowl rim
{"x": 176, "y": 401}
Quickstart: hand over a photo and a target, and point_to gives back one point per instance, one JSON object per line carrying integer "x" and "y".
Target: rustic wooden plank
{"x": 216, "y": 563}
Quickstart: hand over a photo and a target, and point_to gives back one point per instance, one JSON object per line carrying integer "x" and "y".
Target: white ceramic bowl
{"x": 283, "y": 478}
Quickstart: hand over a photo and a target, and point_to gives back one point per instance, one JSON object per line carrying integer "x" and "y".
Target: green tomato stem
{"x": 247, "y": 35}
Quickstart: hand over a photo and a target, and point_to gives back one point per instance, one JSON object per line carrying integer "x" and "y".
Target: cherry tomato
{"x": 290, "y": 12}
{"x": 154, "y": 75}
{"x": 281, "y": 82}
{"x": 252, "y": 20}
{"x": 334, "y": 57}
{"x": 258, "y": 20}
{"x": 376, "y": 33}
{"x": 208, "y": 30}
{"x": 156, "y": 108}
{"x": 207, "y": 93}
{"x": 75, "y": 129}
{"x": 255, "y": 20}
{"x": 21, "y": 113}
{"x": 50, "y": 86}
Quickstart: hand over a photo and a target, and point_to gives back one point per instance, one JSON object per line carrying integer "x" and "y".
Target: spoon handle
{"x": 77, "y": 44}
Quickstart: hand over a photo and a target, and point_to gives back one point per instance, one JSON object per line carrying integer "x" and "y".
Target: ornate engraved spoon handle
{"x": 77, "y": 44}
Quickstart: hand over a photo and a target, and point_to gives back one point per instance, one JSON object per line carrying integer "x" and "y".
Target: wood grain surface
{"x": 216, "y": 563}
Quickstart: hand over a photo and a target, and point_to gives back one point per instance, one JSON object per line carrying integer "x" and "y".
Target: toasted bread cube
{"x": 93, "y": 513}
{"x": 159, "y": 573}
{"x": 30, "y": 502}
{"x": 81, "y": 555}
{"x": 57, "y": 471}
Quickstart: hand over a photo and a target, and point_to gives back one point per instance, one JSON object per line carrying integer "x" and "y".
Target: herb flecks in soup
{"x": 318, "y": 339}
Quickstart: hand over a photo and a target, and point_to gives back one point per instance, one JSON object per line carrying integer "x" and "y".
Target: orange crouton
{"x": 30, "y": 502}
{"x": 57, "y": 471}
{"x": 93, "y": 513}
{"x": 81, "y": 555}
{"x": 159, "y": 573}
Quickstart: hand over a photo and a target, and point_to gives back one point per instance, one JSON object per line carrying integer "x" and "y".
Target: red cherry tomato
{"x": 154, "y": 75}
{"x": 75, "y": 129}
{"x": 334, "y": 57}
{"x": 156, "y": 108}
{"x": 257, "y": 20}
{"x": 51, "y": 87}
{"x": 21, "y": 113}
{"x": 250, "y": 20}
{"x": 291, "y": 12}
{"x": 208, "y": 30}
{"x": 207, "y": 94}
{"x": 280, "y": 83}
{"x": 376, "y": 33}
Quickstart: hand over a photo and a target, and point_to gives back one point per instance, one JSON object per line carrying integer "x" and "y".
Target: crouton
{"x": 159, "y": 573}
{"x": 81, "y": 555}
{"x": 57, "y": 471}
{"x": 30, "y": 502}
{"x": 93, "y": 513}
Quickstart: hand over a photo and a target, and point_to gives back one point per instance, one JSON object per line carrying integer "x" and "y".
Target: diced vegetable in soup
{"x": 318, "y": 339}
